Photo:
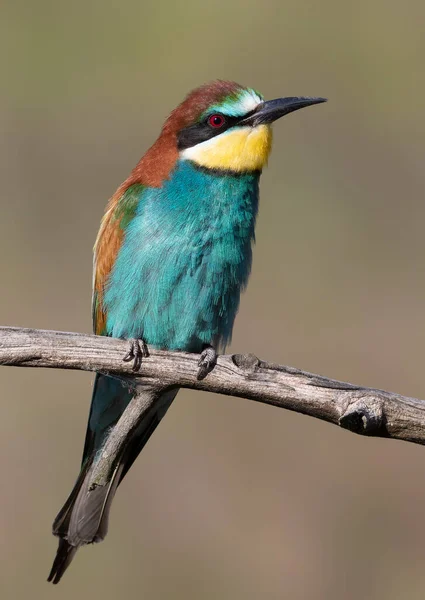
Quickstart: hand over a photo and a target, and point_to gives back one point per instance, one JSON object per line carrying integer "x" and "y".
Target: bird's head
{"x": 221, "y": 126}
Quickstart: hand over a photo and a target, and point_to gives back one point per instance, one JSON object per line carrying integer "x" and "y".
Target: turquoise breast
{"x": 185, "y": 258}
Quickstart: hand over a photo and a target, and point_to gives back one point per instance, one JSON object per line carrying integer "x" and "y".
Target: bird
{"x": 171, "y": 258}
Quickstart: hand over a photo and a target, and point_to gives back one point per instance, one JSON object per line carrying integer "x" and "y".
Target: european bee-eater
{"x": 171, "y": 258}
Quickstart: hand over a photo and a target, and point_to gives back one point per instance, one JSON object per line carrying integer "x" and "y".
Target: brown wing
{"x": 108, "y": 243}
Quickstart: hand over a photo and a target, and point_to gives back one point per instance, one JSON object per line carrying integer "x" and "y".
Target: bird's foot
{"x": 137, "y": 351}
{"x": 207, "y": 362}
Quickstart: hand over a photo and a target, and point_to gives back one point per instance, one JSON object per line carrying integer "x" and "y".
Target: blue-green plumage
{"x": 185, "y": 257}
{"x": 171, "y": 259}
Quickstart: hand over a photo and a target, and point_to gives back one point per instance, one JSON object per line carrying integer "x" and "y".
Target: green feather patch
{"x": 127, "y": 205}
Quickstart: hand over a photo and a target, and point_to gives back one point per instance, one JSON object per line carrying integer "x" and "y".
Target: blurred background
{"x": 230, "y": 499}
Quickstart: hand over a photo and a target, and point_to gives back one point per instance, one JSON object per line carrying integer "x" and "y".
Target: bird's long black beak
{"x": 271, "y": 110}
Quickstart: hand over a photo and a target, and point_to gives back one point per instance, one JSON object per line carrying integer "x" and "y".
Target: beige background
{"x": 230, "y": 499}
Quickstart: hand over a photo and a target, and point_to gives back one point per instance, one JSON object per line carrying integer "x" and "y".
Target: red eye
{"x": 216, "y": 121}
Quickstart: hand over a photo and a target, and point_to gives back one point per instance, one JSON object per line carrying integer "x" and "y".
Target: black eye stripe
{"x": 203, "y": 131}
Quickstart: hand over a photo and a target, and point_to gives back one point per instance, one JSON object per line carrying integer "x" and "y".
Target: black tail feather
{"x": 61, "y": 523}
{"x": 84, "y": 516}
{"x": 63, "y": 558}
{"x": 83, "y": 519}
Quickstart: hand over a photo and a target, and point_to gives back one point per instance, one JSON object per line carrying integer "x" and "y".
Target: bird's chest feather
{"x": 186, "y": 256}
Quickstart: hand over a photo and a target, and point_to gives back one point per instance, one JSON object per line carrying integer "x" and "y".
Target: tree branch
{"x": 361, "y": 410}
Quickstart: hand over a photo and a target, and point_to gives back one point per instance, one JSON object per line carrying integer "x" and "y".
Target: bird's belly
{"x": 187, "y": 300}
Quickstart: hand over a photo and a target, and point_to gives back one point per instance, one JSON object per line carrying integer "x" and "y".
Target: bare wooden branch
{"x": 361, "y": 410}
{"x": 117, "y": 440}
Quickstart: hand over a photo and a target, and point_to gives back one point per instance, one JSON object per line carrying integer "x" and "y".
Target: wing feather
{"x": 119, "y": 213}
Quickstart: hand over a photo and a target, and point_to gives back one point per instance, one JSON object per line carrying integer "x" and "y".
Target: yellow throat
{"x": 239, "y": 149}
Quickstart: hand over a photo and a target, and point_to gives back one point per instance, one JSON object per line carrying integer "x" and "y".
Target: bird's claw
{"x": 137, "y": 351}
{"x": 206, "y": 362}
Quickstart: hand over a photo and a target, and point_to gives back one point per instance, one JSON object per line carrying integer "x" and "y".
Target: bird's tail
{"x": 84, "y": 517}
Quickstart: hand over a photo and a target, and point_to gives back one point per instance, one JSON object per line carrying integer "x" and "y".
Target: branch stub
{"x": 363, "y": 416}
